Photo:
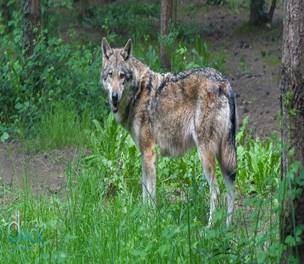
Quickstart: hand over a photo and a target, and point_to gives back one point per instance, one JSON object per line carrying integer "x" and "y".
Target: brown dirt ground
{"x": 252, "y": 65}
{"x": 253, "y": 59}
{"x": 41, "y": 172}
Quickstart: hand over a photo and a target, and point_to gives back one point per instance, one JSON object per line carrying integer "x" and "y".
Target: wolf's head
{"x": 116, "y": 72}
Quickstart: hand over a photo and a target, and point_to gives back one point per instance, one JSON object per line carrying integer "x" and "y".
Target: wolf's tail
{"x": 228, "y": 148}
{"x": 233, "y": 115}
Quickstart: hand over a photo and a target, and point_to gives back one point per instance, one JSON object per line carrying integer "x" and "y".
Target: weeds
{"x": 59, "y": 127}
{"x": 101, "y": 217}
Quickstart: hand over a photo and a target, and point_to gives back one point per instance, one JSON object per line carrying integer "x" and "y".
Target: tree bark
{"x": 292, "y": 110}
{"x": 31, "y": 24}
{"x": 165, "y": 20}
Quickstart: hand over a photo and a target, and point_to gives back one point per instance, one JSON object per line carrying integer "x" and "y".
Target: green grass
{"x": 59, "y": 127}
{"x": 272, "y": 60}
{"x": 244, "y": 65}
{"x": 100, "y": 218}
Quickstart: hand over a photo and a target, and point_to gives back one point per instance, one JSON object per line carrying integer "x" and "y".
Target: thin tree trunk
{"x": 258, "y": 15}
{"x": 257, "y": 12}
{"x": 175, "y": 4}
{"x": 292, "y": 108}
{"x": 165, "y": 19}
{"x": 271, "y": 10}
{"x": 5, "y": 11}
{"x": 31, "y": 24}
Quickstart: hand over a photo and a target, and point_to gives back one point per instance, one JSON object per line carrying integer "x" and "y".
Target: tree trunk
{"x": 31, "y": 24}
{"x": 292, "y": 109}
{"x": 5, "y": 12}
{"x": 271, "y": 10}
{"x": 258, "y": 14}
{"x": 165, "y": 19}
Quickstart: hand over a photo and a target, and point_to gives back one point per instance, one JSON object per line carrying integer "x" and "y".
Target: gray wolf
{"x": 194, "y": 108}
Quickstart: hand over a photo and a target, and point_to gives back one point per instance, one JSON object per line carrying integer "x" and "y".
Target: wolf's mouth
{"x": 114, "y": 107}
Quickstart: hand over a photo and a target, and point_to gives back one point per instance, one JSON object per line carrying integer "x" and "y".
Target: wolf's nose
{"x": 115, "y": 97}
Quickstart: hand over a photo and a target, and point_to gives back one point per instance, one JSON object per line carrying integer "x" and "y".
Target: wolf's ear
{"x": 106, "y": 49}
{"x": 127, "y": 50}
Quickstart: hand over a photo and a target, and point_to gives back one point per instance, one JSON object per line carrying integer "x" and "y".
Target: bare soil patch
{"x": 41, "y": 172}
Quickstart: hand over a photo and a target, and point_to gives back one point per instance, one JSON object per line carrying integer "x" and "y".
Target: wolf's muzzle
{"x": 114, "y": 102}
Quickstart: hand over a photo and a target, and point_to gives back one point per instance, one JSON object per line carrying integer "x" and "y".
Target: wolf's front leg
{"x": 149, "y": 174}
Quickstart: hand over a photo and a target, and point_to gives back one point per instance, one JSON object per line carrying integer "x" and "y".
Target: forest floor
{"x": 252, "y": 59}
{"x": 40, "y": 172}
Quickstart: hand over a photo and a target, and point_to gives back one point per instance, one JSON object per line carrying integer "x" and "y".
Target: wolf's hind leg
{"x": 228, "y": 166}
{"x": 149, "y": 174}
{"x": 229, "y": 182}
{"x": 208, "y": 163}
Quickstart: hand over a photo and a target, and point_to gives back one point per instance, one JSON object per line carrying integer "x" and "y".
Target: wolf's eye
{"x": 122, "y": 75}
{"x": 110, "y": 74}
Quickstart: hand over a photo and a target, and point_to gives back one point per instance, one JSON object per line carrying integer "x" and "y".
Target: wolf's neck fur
{"x": 144, "y": 80}
{"x": 142, "y": 73}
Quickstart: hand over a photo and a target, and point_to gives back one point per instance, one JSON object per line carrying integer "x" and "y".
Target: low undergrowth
{"x": 100, "y": 216}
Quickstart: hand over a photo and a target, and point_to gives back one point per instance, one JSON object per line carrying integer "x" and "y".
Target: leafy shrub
{"x": 102, "y": 210}
{"x": 55, "y": 72}
{"x": 128, "y": 18}
{"x": 216, "y": 2}
{"x": 258, "y": 162}
{"x": 114, "y": 156}
{"x": 199, "y": 55}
